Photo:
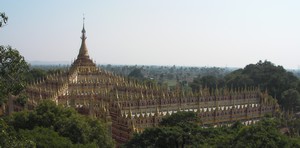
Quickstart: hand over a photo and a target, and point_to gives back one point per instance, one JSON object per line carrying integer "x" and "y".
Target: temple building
{"x": 129, "y": 106}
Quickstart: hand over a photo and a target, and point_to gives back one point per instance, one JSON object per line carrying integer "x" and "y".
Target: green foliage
{"x": 35, "y": 73}
{"x": 164, "y": 137}
{"x": 21, "y": 120}
{"x": 10, "y": 138}
{"x": 55, "y": 71}
{"x": 136, "y": 73}
{"x": 180, "y": 118}
{"x": 294, "y": 127}
{"x": 175, "y": 131}
{"x": 169, "y": 74}
{"x": 48, "y": 113}
{"x": 74, "y": 128}
{"x": 290, "y": 99}
{"x": 3, "y": 19}
{"x": 66, "y": 122}
{"x": 206, "y": 81}
{"x": 21, "y": 99}
{"x": 266, "y": 75}
{"x": 236, "y": 79}
{"x": 13, "y": 69}
{"x": 150, "y": 82}
{"x": 45, "y": 137}
{"x": 98, "y": 133}
{"x": 262, "y": 134}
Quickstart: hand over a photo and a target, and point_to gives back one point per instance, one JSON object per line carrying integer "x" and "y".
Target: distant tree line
{"x": 168, "y": 74}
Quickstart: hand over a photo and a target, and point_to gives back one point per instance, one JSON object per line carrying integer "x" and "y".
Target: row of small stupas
{"x": 129, "y": 106}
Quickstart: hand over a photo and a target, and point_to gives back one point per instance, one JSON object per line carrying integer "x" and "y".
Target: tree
{"x": 13, "y": 69}
{"x": 210, "y": 81}
{"x": 45, "y": 137}
{"x": 290, "y": 99}
{"x": 294, "y": 126}
{"x": 3, "y": 19}
{"x": 181, "y": 117}
{"x": 262, "y": 134}
{"x": 267, "y": 76}
{"x": 35, "y": 73}
{"x": 10, "y": 138}
{"x": 174, "y": 131}
{"x": 238, "y": 80}
{"x": 65, "y": 121}
{"x": 136, "y": 73}
{"x": 159, "y": 137}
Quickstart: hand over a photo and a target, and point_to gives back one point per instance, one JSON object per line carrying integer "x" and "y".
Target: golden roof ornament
{"x": 156, "y": 111}
{"x": 142, "y": 96}
{"x": 83, "y": 52}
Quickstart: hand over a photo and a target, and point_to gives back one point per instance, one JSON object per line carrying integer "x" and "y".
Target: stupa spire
{"x": 83, "y": 51}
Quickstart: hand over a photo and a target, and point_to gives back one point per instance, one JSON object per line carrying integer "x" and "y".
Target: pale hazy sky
{"x": 230, "y": 33}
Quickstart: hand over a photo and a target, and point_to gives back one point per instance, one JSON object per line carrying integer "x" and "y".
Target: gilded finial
{"x": 83, "y": 19}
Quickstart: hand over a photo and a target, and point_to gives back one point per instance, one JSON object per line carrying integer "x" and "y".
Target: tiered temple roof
{"x": 129, "y": 106}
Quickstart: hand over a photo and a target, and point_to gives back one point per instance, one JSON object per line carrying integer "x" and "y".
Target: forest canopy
{"x": 51, "y": 125}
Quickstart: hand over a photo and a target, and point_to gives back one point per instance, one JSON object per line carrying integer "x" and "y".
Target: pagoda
{"x": 129, "y": 106}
